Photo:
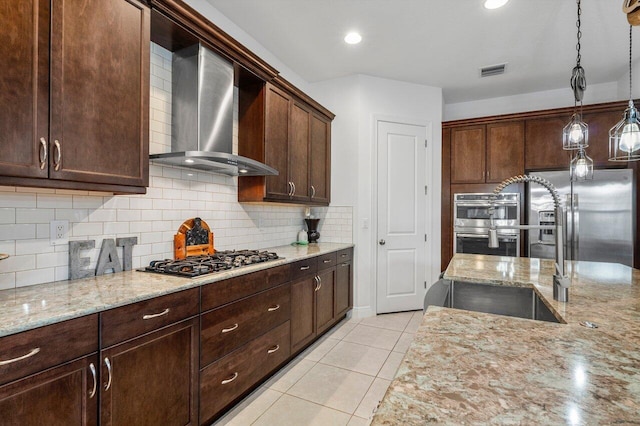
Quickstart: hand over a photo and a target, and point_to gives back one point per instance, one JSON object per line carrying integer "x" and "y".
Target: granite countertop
{"x": 473, "y": 368}
{"x": 25, "y": 308}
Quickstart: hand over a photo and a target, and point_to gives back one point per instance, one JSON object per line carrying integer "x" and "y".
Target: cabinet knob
{"x": 382, "y": 242}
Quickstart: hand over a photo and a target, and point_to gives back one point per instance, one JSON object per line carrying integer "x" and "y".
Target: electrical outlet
{"x": 59, "y": 232}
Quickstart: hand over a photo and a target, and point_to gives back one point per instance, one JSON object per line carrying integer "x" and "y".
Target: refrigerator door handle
{"x": 568, "y": 228}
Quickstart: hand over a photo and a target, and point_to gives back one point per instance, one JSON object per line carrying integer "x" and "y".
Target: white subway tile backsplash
{"x": 15, "y": 200}
{"x": 36, "y": 276}
{"x": 7, "y": 215}
{"x": 87, "y": 202}
{"x": 23, "y": 247}
{"x": 17, "y": 231}
{"x": 117, "y": 228}
{"x": 18, "y": 263}
{"x": 86, "y": 229}
{"x": 57, "y": 201}
{"x": 34, "y": 215}
{"x": 51, "y": 260}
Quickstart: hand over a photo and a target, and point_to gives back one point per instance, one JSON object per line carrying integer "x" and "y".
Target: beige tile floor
{"x": 338, "y": 380}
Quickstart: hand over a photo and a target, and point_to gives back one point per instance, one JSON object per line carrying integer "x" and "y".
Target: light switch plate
{"x": 59, "y": 232}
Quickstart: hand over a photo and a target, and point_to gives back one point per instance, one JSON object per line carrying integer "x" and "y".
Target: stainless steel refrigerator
{"x": 599, "y": 216}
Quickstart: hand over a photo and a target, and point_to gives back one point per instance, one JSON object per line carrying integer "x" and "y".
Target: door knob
{"x": 382, "y": 242}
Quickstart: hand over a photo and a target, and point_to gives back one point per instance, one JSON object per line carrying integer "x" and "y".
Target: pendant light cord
{"x": 578, "y": 24}
{"x": 630, "y": 50}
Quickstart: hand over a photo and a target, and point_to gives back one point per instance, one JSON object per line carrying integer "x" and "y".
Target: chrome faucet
{"x": 560, "y": 281}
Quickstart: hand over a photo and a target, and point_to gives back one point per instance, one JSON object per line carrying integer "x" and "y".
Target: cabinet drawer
{"x": 222, "y": 292}
{"x": 227, "y": 379}
{"x": 38, "y": 349}
{"x": 345, "y": 255}
{"x": 132, "y": 320}
{"x": 326, "y": 261}
{"x": 305, "y": 267}
{"x": 231, "y": 326}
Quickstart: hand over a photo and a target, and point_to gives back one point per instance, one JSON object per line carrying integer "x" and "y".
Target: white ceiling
{"x": 441, "y": 43}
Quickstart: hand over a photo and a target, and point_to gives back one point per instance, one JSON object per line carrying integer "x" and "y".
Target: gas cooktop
{"x": 194, "y": 266}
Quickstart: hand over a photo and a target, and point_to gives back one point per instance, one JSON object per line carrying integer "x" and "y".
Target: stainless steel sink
{"x": 519, "y": 302}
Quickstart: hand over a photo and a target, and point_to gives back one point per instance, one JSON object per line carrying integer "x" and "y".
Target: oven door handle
{"x": 501, "y": 237}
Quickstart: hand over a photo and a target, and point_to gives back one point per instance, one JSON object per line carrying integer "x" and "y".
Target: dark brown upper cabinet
{"x": 75, "y": 84}
{"x": 487, "y": 153}
{"x": 291, "y": 135}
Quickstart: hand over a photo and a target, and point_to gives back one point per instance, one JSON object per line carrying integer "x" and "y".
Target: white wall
{"x": 559, "y": 98}
{"x": 357, "y": 101}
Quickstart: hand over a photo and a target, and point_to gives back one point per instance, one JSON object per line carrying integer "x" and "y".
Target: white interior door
{"x": 401, "y": 214}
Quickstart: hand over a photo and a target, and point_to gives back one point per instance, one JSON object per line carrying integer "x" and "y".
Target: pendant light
{"x": 581, "y": 167}
{"x": 624, "y": 137}
{"x": 575, "y": 135}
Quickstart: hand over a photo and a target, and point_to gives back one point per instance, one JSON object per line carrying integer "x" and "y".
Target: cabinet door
{"x": 543, "y": 149}
{"x": 320, "y": 160}
{"x": 24, "y": 85}
{"x": 325, "y": 300}
{"x": 468, "y": 155}
{"x": 276, "y": 142}
{"x": 152, "y": 380}
{"x": 505, "y": 151}
{"x": 299, "y": 151}
{"x": 303, "y": 312}
{"x": 343, "y": 288}
{"x": 61, "y": 396}
{"x": 100, "y": 92}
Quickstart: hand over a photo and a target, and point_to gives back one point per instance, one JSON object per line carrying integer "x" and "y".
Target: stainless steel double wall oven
{"x": 471, "y": 223}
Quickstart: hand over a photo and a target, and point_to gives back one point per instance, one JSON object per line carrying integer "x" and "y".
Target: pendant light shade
{"x": 575, "y": 135}
{"x": 624, "y": 137}
{"x": 581, "y": 167}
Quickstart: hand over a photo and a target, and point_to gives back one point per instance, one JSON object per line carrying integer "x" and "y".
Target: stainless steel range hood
{"x": 202, "y": 116}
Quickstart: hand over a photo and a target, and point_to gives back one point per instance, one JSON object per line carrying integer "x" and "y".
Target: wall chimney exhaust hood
{"x": 202, "y": 116}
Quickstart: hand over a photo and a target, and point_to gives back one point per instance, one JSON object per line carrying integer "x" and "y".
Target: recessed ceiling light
{"x": 353, "y": 38}
{"x": 494, "y": 4}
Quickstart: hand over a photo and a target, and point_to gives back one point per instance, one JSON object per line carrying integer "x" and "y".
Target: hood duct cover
{"x": 202, "y": 116}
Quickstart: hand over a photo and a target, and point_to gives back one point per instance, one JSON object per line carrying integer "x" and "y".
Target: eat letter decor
{"x": 108, "y": 259}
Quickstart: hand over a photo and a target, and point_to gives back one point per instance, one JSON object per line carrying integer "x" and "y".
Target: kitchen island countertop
{"x": 473, "y": 368}
{"x": 26, "y": 308}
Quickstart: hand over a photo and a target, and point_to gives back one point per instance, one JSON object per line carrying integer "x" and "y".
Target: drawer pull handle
{"x": 344, "y": 255}
{"x": 344, "y": 264}
{"x": 326, "y": 261}
{"x": 20, "y": 358}
{"x": 273, "y": 308}
{"x": 108, "y": 364}
{"x": 230, "y": 379}
{"x": 58, "y": 149}
{"x": 152, "y": 316}
{"x": 233, "y": 327}
{"x": 95, "y": 380}
{"x": 304, "y": 268}
{"x": 273, "y": 349}
{"x": 43, "y": 153}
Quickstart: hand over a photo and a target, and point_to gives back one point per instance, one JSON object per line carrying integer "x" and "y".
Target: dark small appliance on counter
{"x": 312, "y": 230}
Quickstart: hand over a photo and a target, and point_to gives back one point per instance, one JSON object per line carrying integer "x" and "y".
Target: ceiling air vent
{"x": 492, "y": 70}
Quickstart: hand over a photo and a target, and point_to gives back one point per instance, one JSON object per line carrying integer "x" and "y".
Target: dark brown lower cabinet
{"x": 344, "y": 292}
{"x": 325, "y": 300}
{"x": 152, "y": 380}
{"x": 66, "y": 395}
{"x": 222, "y": 382}
{"x": 303, "y": 312}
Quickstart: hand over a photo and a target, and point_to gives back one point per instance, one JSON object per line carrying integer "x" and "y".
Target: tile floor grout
{"x": 301, "y": 386}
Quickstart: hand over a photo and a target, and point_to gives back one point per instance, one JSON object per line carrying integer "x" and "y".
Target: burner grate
{"x": 194, "y": 266}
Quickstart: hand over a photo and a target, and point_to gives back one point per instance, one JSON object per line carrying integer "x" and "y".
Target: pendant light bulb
{"x": 575, "y": 134}
{"x": 581, "y": 168}
{"x": 630, "y": 138}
